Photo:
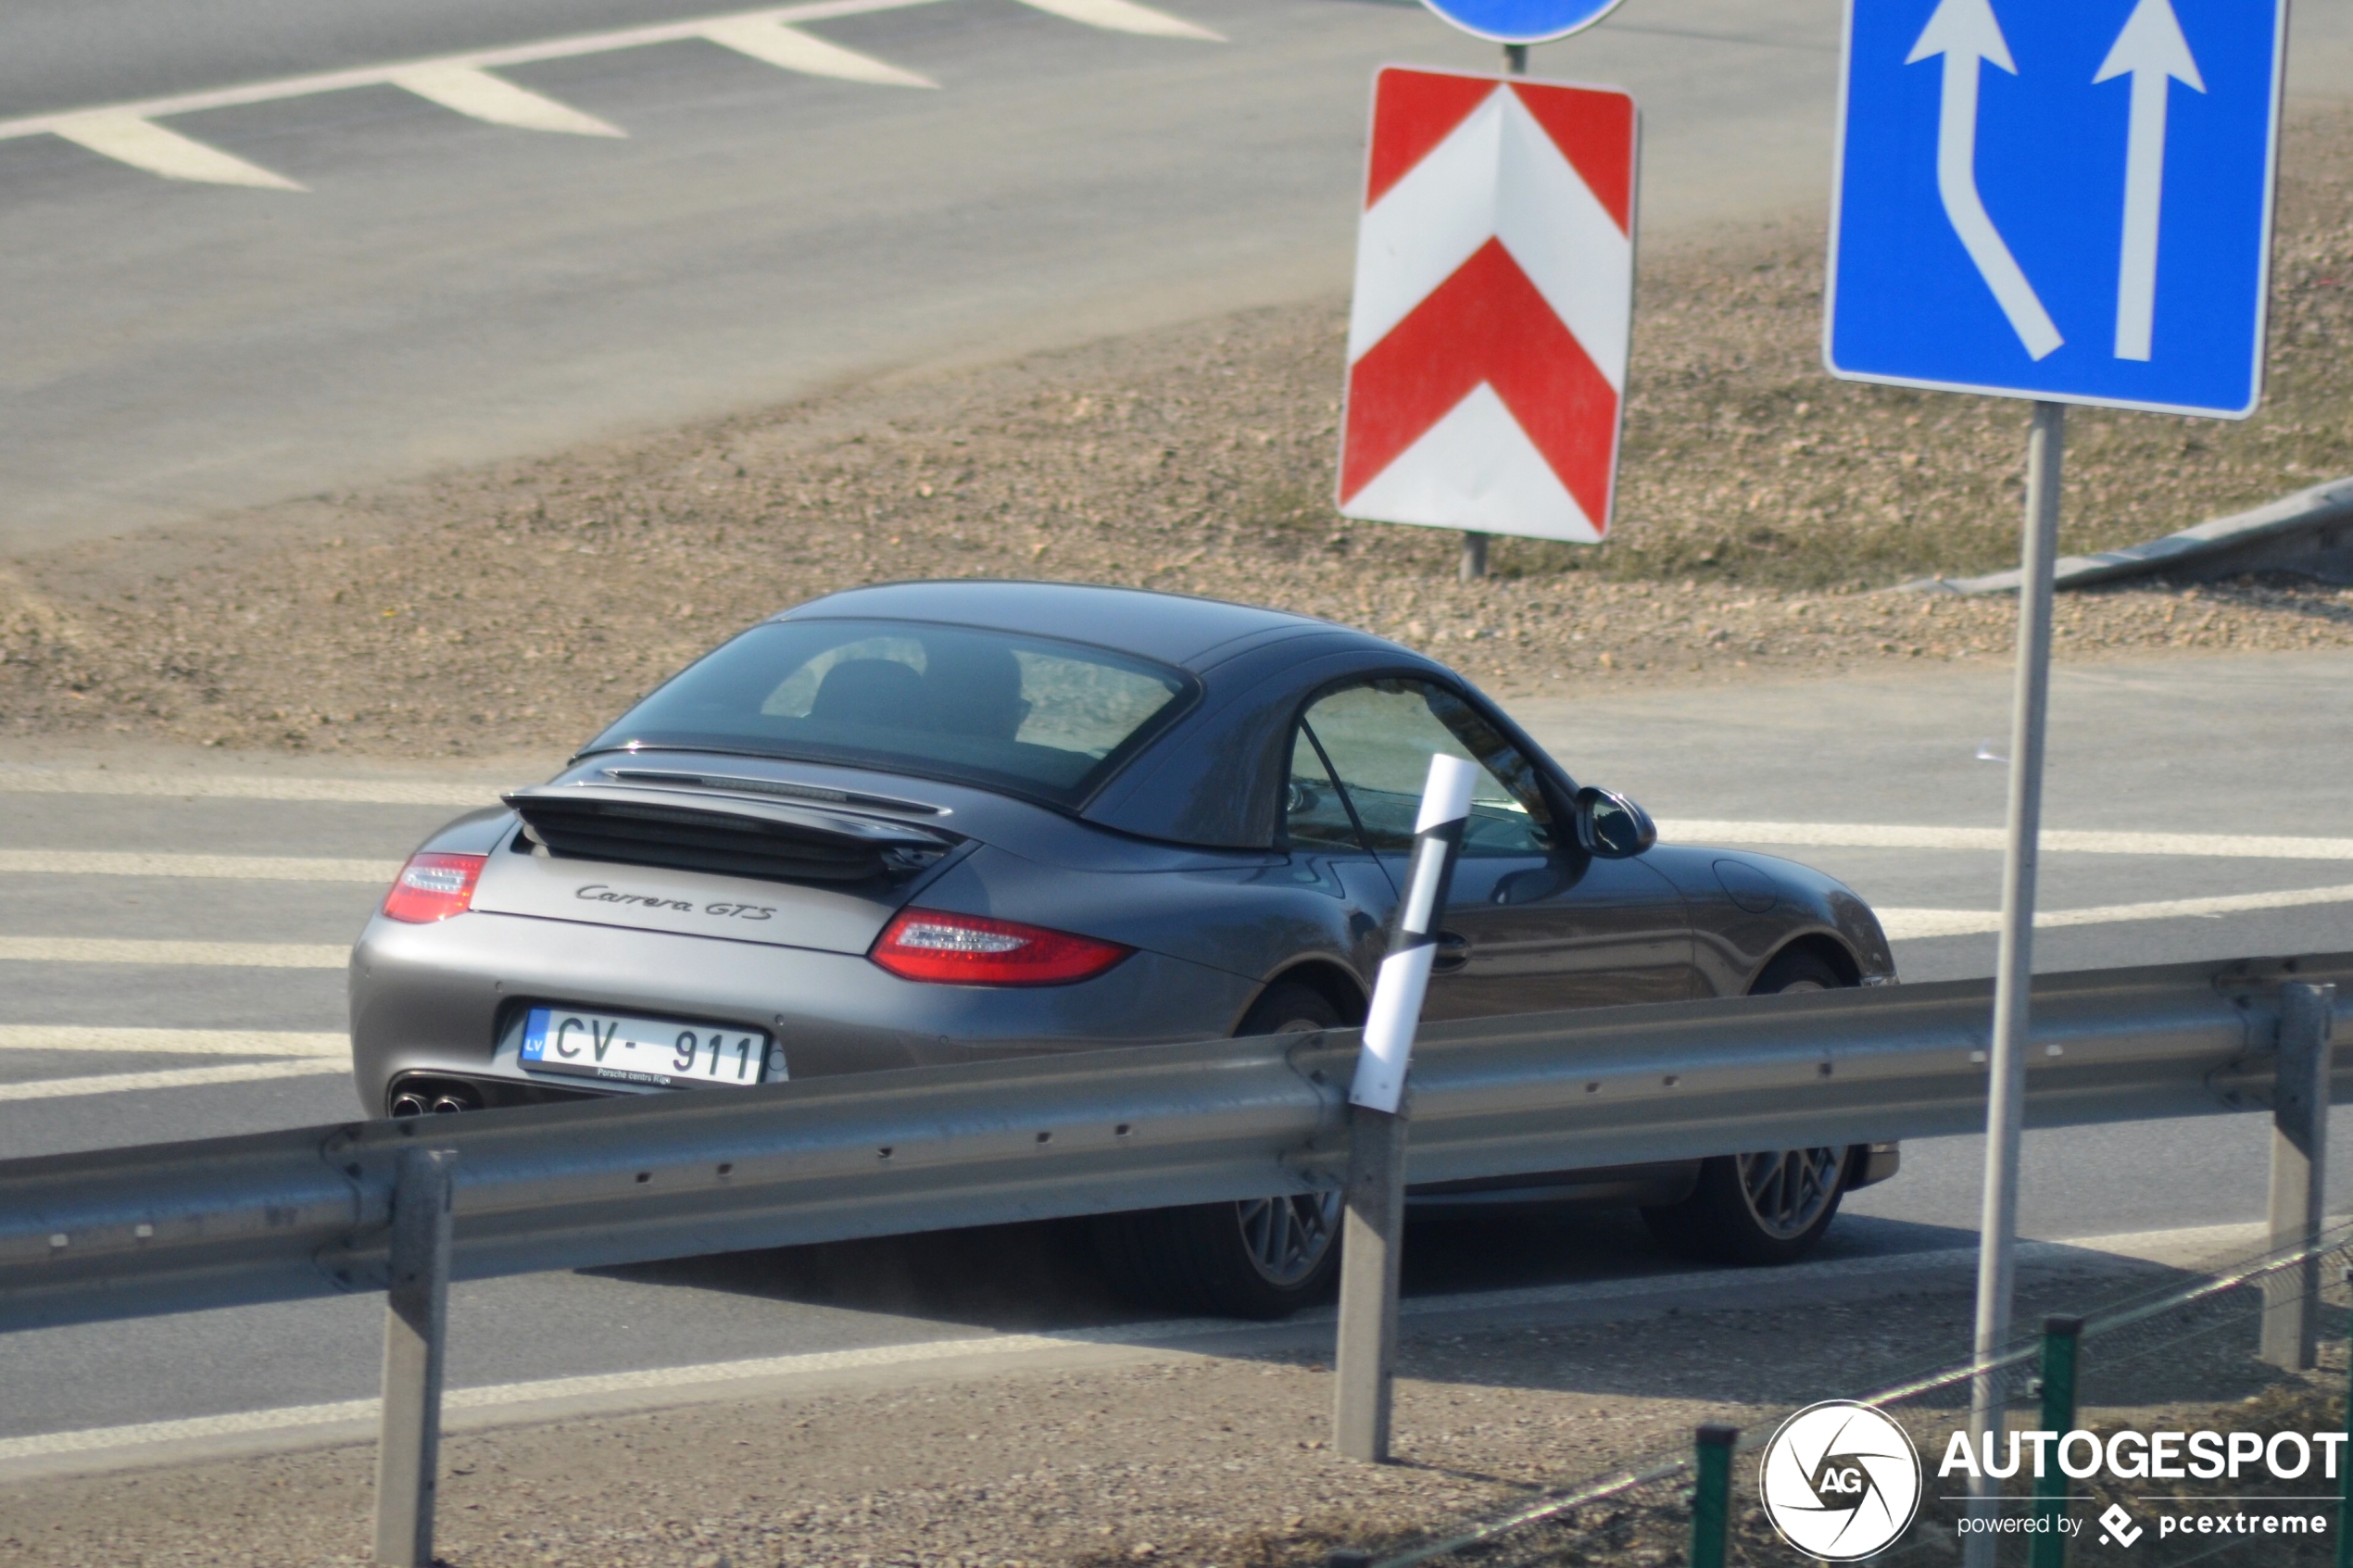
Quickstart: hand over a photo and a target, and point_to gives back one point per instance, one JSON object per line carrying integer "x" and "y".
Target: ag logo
{"x": 1839, "y": 1481}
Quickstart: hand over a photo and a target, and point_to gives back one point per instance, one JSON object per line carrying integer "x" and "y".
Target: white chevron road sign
{"x": 1495, "y": 301}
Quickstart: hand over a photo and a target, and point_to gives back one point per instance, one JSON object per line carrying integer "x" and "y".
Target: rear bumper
{"x": 449, "y": 999}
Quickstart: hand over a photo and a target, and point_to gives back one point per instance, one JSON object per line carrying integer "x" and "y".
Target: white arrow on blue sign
{"x": 1522, "y": 21}
{"x": 2060, "y": 199}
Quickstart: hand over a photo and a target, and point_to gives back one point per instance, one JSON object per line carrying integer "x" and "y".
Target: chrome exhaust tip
{"x": 449, "y": 1105}
{"x": 405, "y": 1105}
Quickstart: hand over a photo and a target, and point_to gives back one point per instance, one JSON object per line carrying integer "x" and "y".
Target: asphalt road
{"x": 444, "y": 290}
{"x": 2231, "y": 746}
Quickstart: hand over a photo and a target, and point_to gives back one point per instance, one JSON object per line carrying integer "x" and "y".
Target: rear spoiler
{"x": 694, "y": 831}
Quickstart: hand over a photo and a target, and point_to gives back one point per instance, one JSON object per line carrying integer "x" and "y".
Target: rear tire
{"x": 1770, "y": 1206}
{"x": 1263, "y": 1259}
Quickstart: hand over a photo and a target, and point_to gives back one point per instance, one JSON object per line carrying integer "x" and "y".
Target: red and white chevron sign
{"x": 1494, "y": 300}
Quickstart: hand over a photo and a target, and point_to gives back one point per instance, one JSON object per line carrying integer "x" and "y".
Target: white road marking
{"x": 223, "y": 955}
{"x": 126, "y": 131}
{"x": 764, "y": 38}
{"x": 243, "y": 868}
{"x": 248, "y": 787}
{"x": 1913, "y": 924}
{"x": 128, "y": 137}
{"x": 1870, "y": 836}
{"x": 1124, "y": 15}
{"x": 174, "y": 1042}
{"x": 472, "y": 91}
{"x": 295, "y": 1418}
{"x": 169, "y": 1078}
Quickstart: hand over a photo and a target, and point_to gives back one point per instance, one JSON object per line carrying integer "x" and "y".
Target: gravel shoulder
{"x": 519, "y": 605}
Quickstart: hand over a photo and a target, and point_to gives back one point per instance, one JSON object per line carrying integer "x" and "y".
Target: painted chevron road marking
{"x": 465, "y": 83}
{"x": 1493, "y": 306}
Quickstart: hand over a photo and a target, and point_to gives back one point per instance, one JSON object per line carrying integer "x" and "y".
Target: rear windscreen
{"x": 1025, "y": 714}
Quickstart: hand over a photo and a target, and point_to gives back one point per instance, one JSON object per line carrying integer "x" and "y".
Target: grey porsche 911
{"x": 938, "y": 822}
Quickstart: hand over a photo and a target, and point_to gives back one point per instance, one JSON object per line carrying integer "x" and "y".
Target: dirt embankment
{"x": 521, "y": 605}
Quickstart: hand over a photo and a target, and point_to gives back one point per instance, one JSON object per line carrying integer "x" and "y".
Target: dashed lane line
{"x": 1914, "y": 924}
{"x": 23, "y": 780}
{"x": 241, "y": 867}
{"x": 219, "y": 955}
{"x": 1873, "y": 835}
{"x": 127, "y": 132}
{"x": 293, "y": 1420}
{"x": 170, "y": 1078}
{"x": 174, "y": 1042}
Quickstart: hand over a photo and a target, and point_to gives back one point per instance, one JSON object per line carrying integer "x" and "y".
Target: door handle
{"x": 1454, "y": 952}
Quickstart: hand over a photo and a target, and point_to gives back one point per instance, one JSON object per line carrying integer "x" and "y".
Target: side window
{"x": 1313, "y": 814}
{"x": 1379, "y": 737}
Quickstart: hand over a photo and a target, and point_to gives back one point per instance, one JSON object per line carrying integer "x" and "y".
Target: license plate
{"x": 659, "y": 1052}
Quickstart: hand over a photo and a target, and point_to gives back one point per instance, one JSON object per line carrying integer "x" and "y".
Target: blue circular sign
{"x": 1522, "y": 21}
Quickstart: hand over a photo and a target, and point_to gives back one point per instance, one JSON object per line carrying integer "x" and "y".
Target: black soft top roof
{"x": 1189, "y": 632}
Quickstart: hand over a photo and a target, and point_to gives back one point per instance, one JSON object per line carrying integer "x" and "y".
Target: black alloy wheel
{"x": 1266, "y": 1258}
{"x": 1771, "y": 1206}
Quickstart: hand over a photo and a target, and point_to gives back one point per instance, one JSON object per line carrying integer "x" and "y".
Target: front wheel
{"x": 1264, "y": 1258}
{"x": 1770, "y": 1206}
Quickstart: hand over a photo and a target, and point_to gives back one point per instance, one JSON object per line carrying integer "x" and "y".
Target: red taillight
{"x": 971, "y": 951}
{"x": 434, "y": 888}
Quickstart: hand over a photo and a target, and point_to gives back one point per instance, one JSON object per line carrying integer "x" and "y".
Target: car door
{"x": 1532, "y": 922}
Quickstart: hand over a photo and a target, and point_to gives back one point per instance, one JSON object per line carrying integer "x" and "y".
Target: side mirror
{"x": 1611, "y": 827}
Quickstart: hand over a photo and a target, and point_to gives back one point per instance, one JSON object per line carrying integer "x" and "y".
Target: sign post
{"x": 2068, "y": 201}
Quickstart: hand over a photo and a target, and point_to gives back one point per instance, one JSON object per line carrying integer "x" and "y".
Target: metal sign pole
{"x": 2014, "y": 972}
{"x": 1475, "y": 545}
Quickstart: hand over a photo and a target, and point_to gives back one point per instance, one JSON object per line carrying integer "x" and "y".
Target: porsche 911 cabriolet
{"x": 938, "y": 822}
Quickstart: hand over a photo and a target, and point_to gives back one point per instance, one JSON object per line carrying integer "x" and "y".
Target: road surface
{"x": 2227, "y": 746}
{"x": 443, "y": 289}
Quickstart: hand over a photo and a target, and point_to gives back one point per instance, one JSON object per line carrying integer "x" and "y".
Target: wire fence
{"x": 2181, "y": 1358}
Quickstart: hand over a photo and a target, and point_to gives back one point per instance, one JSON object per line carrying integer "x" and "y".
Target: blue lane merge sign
{"x": 2063, "y": 199}
{"x": 1522, "y": 21}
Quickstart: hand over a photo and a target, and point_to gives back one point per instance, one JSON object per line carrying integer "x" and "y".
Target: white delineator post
{"x": 1373, "y": 1232}
{"x": 2014, "y": 969}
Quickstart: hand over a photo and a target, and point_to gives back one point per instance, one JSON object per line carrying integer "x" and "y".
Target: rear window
{"x": 1029, "y": 715}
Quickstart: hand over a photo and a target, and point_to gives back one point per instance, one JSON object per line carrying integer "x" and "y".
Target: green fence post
{"x": 1712, "y": 1495}
{"x": 2060, "y": 1338}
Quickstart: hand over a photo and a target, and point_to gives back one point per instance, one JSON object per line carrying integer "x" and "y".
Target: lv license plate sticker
{"x": 663, "y": 1053}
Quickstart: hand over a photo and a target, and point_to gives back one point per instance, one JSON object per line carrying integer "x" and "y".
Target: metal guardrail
{"x": 136, "y": 1232}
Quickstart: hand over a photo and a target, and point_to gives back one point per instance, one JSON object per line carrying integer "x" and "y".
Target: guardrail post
{"x": 1712, "y": 1494}
{"x": 2299, "y": 1148}
{"x": 2062, "y": 1337}
{"x": 1372, "y": 1248}
{"x": 416, "y": 1327}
